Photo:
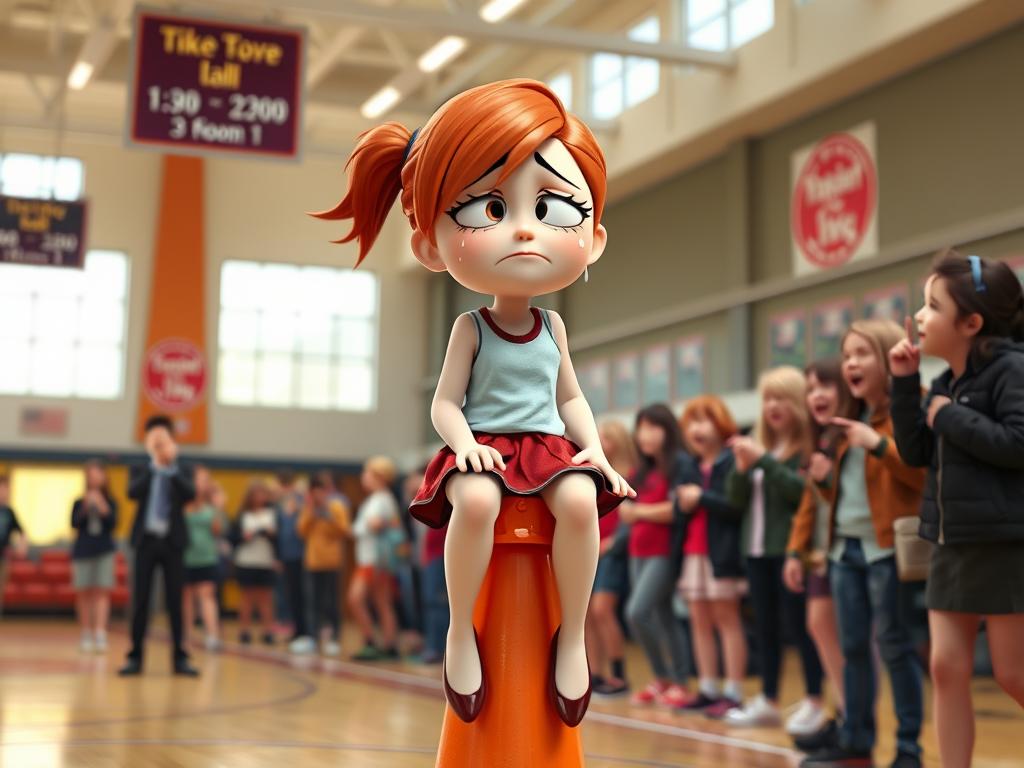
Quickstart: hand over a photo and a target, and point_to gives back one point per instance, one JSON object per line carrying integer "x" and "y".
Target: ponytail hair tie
{"x": 408, "y": 147}
{"x": 979, "y": 284}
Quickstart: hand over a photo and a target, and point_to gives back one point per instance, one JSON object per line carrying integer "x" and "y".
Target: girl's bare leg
{"x": 572, "y": 500}
{"x": 476, "y": 501}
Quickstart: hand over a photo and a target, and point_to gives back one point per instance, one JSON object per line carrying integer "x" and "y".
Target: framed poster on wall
{"x": 595, "y": 381}
{"x": 788, "y": 338}
{"x": 831, "y": 319}
{"x": 890, "y": 303}
{"x": 689, "y": 368}
{"x": 657, "y": 383}
{"x": 626, "y": 382}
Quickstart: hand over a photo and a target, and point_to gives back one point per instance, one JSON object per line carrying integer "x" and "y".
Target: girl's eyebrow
{"x": 544, "y": 164}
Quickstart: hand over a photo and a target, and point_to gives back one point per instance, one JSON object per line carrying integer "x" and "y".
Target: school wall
{"x": 254, "y": 210}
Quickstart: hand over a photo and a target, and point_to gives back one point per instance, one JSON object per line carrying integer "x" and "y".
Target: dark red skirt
{"x": 532, "y": 461}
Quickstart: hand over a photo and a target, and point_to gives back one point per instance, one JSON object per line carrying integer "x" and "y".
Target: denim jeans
{"x": 436, "y": 614}
{"x": 652, "y": 621}
{"x": 866, "y": 595}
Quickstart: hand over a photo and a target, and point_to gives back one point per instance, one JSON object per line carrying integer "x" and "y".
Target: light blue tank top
{"x": 513, "y": 381}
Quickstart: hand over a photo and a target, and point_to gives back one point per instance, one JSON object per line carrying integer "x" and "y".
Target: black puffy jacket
{"x": 975, "y": 451}
{"x": 724, "y": 520}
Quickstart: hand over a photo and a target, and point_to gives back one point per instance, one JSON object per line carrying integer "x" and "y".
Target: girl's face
{"x": 865, "y": 374}
{"x": 650, "y": 439}
{"x": 218, "y": 498}
{"x": 608, "y": 446}
{"x": 942, "y": 333}
{"x": 260, "y": 498}
{"x": 702, "y": 436}
{"x": 94, "y": 478}
{"x": 822, "y": 399}
{"x": 202, "y": 480}
{"x": 534, "y": 234}
{"x": 778, "y": 413}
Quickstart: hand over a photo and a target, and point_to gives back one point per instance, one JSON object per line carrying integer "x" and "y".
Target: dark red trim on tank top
{"x": 525, "y": 338}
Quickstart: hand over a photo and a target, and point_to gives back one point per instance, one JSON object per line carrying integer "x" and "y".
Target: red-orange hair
{"x": 465, "y": 137}
{"x": 714, "y": 410}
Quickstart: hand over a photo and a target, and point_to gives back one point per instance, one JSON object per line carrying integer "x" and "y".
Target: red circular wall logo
{"x": 834, "y": 201}
{"x": 174, "y": 375}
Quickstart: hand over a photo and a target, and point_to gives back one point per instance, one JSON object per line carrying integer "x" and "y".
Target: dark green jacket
{"x": 783, "y": 489}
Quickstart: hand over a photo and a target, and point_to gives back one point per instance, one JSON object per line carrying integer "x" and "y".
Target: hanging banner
{"x": 175, "y": 372}
{"x": 47, "y": 233}
{"x": 834, "y": 201}
{"x": 201, "y": 86}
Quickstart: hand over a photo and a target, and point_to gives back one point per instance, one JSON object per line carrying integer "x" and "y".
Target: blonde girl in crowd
{"x": 605, "y": 643}
{"x": 712, "y": 581}
{"x": 768, "y": 484}
{"x": 205, "y": 522}
{"x": 868, "y": 489}
{"x": 806, "y": 568}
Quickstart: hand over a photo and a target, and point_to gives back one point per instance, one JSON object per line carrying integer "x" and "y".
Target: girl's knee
{"x": 949, "y": 669}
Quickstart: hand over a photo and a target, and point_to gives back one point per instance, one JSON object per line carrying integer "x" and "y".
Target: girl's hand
{"x": 937, "y": 404}
{"x": 858, "y": 433}
{"x": 746, "y": 450}
{"x": 905, "y": 357}
{"x": 627, "y": 512}
{"x": 481, "y": 458}
{"x": 819, "y": 467}
{"x": 606, "y": 543}
{"x": 689, "y": 496}
{"x": 616, "y": 482}
{"x": 793, "y": 575}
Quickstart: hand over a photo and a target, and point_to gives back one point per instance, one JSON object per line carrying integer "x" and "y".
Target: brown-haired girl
{"x": 970, "y": 435}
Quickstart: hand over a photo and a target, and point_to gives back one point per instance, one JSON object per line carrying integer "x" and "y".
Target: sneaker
{"x": 837, "y": 757}
{"x": 331, "y": 648}
{"x": 431, "y": 657}
{"x": 269, "y": 638}
{"x": 213, "y": 644}
{"x": 906, "y": 760}
{"x": 756, "y": 713}
{"x": 675, "y": 697}
{"x": 649, "y": 694}
{"x": 722, "y": 707}
{"x": 100, "y": 643}
{"x": 368, "y": 652}
{"x": 610, "y": 690}
{"x": 807, "y": 719}
{"x": 245, "y": 638}
{"x": 699, "y": 703}
{"x": 302, "y": 645}
{"x": 390, "y": 654}
{"x": 86, "y": 644}
{"x": 826, "y": 738}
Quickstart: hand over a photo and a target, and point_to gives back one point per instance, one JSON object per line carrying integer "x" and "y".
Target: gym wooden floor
{"x": 254, "y": 707}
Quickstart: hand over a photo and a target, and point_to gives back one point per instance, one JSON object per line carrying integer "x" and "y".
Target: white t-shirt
{"x": 257, "y": 552}
{"x": 379, "y": 506}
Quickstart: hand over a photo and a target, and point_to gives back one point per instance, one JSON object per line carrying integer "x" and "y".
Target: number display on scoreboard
{"x": 203, "y": 86}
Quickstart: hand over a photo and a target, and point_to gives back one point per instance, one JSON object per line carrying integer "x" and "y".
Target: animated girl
{"x": 504, "y": 190}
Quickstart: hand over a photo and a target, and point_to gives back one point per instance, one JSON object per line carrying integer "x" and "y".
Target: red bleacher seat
{"x": 55, "y": 572}
{"x": 55, "y": 555}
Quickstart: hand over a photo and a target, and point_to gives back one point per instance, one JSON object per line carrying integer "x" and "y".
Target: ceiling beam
{"x": 511, "y": 32}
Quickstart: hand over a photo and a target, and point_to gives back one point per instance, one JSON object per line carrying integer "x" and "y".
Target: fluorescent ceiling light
{"x": 95, "y": 52}
{"x": 380, "y": 102}
{"x": 496, "y": 10}
{"x": 80, "y": 75}
{"x": 441, "y": 53}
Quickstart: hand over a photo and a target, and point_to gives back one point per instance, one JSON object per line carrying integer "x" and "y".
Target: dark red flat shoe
{"x": 571, "y": 711}
{"x": 466, "y": 706}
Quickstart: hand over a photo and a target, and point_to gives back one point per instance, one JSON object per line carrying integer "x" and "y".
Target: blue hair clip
{"x": 979, "y": 284}
{"x": 408, "y": 147}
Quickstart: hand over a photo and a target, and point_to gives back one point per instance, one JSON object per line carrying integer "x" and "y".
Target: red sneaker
{"x": 650, "y": 694}
{"x": 675, "y": 696}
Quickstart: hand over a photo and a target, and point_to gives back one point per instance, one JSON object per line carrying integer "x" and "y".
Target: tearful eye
{"x": 557, "y": 212}
{"x": 479, "y": 213}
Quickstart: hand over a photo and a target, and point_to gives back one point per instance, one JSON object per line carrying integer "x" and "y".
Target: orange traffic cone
{"x": 516, "y": 614}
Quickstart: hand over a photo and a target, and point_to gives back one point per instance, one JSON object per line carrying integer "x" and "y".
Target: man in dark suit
{"x": 161, "y": 490}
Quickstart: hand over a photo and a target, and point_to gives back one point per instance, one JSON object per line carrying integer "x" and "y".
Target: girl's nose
{"x": 523, "y": 234}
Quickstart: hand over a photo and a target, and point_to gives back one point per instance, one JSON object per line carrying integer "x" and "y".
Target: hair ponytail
{"x": 374, "y": 182}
